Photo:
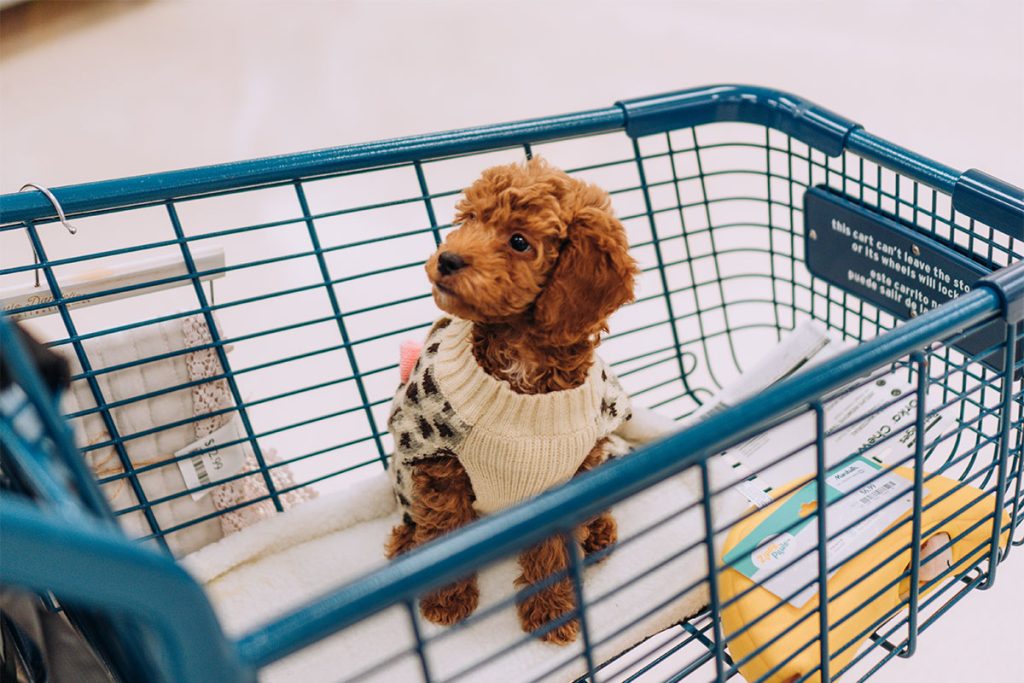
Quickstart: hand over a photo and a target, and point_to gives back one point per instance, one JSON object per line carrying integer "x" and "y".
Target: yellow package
{"x": 756, "y": 548}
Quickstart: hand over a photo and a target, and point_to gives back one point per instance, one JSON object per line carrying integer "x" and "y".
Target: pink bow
{"x": 409, "y": 354}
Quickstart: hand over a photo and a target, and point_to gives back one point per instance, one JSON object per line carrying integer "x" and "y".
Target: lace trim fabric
{"x": 215, "y": 395}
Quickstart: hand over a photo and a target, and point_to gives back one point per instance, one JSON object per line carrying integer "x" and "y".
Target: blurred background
{"x": 105, "y": 89}
{"x": 97, "y": 90}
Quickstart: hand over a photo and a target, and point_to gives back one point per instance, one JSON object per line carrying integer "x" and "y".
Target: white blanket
{"x": 287, "y": 561}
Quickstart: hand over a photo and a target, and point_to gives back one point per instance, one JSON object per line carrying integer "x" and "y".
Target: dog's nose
{"x": 449, "y": 262}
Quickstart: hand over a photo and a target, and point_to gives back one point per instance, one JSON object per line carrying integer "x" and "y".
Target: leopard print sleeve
{"x": 422, "y": 423}
{"x": 616, "y": 406}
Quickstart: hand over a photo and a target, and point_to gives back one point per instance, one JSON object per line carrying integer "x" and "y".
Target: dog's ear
{"x": 593, "y": 276}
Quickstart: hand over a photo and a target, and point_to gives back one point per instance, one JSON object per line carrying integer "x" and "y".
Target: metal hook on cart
{"x": 60, "y": 216}
{"x": 56, "y": 205}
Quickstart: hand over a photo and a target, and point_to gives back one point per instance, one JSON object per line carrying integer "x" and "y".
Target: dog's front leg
{"x": 551, "y": 557}
{"x": 443, "y": 502}
{"x": 601, "y": 531}
{"x": 537, "y": 610}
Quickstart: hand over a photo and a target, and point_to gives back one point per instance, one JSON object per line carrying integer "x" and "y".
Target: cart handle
{"x": 976, "y": 194}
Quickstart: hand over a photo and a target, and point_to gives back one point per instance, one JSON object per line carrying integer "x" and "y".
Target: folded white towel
{"x": 289, "y": 560}
{"x": 135, "y": 379}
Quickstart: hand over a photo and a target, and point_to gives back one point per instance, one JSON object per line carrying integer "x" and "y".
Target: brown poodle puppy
{"x": 537, "y": 264}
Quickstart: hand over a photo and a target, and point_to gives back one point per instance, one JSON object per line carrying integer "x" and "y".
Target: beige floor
{"x": 91, "y": 91}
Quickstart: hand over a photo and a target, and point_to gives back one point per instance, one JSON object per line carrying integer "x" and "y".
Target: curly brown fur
{"x": 443, "y": 502}
{"x": 549, "y": 557}
{"x": 402, "y": 539}
{"x": 536, "y": 610}
{"x": 602, "y": 531}
{"x": 538, "y": 313}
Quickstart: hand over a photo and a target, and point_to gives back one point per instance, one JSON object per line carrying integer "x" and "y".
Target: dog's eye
{"x": 518, "y": 242}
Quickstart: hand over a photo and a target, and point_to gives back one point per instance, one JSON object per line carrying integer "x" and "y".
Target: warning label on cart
{"x": 888, "y": 264}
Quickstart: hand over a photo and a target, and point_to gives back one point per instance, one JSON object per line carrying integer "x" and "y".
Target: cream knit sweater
{"x": 513, "y": 446}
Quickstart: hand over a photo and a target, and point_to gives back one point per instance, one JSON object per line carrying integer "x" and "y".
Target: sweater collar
{"x": 485, "y": 401}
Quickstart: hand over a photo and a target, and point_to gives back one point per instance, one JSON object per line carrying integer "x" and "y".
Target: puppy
{"x": 508, "y": 397}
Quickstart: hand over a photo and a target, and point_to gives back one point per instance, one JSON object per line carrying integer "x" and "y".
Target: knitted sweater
{"x": 512, "y": 446}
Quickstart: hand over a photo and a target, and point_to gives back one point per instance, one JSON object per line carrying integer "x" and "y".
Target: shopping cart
{"x": 744, "y": 207}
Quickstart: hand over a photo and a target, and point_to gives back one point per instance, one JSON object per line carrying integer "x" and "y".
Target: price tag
{"x": 211, "y": 460}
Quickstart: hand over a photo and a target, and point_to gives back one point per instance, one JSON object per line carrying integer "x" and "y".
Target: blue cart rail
{"x": 710, "y": 184}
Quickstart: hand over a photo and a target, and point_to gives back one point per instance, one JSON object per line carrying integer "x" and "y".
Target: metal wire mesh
{"x": 322, "y": 281}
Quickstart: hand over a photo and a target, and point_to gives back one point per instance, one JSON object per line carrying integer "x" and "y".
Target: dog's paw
{"x": 537, "y": 611}
{"x": 563, "y": 634}
{"x": 603, "y": 532}
{"x": 451, "y": 604}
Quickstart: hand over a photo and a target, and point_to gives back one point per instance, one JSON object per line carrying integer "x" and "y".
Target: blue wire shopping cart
{"x": 750, "y": 211}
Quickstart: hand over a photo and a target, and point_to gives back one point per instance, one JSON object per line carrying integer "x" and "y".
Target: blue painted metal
{"x": 576, "y": 574}
{"x": 921, "y": 366}
{"x": 1009, "y": 283}
{"x": 991, "y": 201}
{"x": 828, "y": 256}
{"x": 94, "y": 387}
{"x": 1002, "y": 476}
{"x": 61, "y": 444}
{"x": 37, "y": 474}
{"x": 111, "y": 573}
{"x": 711, "y": 558}
{"x": 904, "y": 162}
{"x": 494, "y": 537}
{"x": 821, "y": 474}
{"x": 222, "y": 357}
{"x": 797, "y": 117}
{"x": 168, "y": 600}
{"x": 159, "y": 187}
{"x": 342, "y": 330}
{"x": 666, "y": 289}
